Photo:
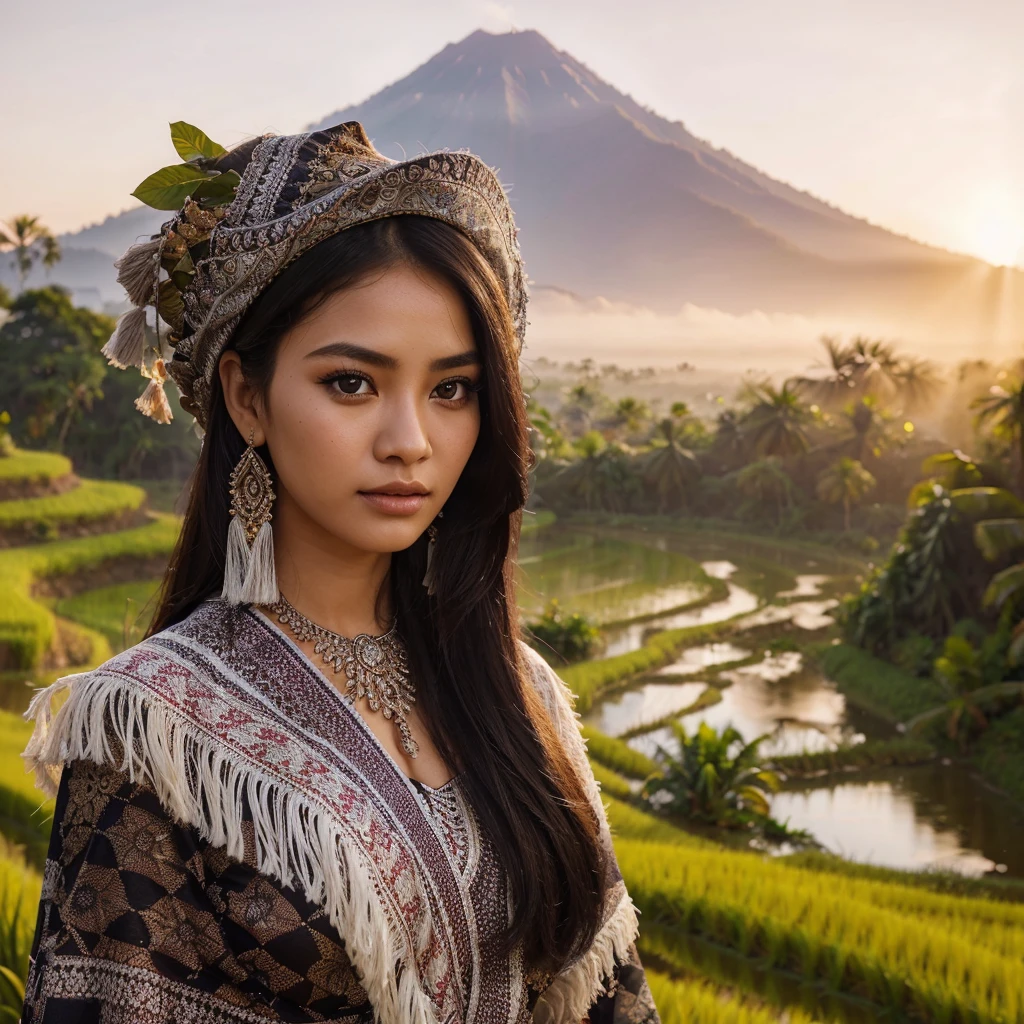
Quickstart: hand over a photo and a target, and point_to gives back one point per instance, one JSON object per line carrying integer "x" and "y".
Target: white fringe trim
{"x": 572, "y": 993}
{"x": 295, "y": 839}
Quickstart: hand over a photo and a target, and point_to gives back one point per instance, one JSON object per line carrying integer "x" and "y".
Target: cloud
{"x": 563, "y": 326}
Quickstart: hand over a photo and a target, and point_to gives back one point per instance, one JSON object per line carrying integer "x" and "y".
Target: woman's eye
{"x": 351, "y": 384}
{"x": 456, "y": 390}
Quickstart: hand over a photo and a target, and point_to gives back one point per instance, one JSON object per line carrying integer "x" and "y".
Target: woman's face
{"x": 372, "y": 410}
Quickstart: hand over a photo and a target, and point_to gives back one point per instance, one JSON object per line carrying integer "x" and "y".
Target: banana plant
{"x": 708, "y": 781}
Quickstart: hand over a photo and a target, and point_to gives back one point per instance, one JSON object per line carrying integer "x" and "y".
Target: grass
{"x": 608, "y": 579}
{"x": 694, "y": 1001}
{"x": 590, "y": 680}
{"x": 1000, "y": 753}
{"x": 875, "y": 685}
{"x": 734, "y": 536}
{"x": 870, "y": 754}
{"x": 121, "y": 612}
{"x": 36, "y": 467}
{"x": 26, "y": 814}
{"x": 90, "y": 502}
{"x": 952, "y": 883}
{"x": 629, "y": 822}
{"x": 925, "y": 955}
{"x": 20, "y": 887}
{"x": 27, "y": 627}
{"x": 537, "y": 520}
{"x": 617, "y": 755}
{"x": 612, "y": 783}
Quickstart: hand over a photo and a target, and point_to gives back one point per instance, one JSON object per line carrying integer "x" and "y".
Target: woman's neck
{"x": 328, "y": 581}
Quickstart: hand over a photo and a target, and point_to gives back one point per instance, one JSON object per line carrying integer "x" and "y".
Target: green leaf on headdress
{"x": 168, "y": 188}
{"x": 190, "y": 142}
{"x": 218, "y": 190}
{"x": 183, "y": 272}
{"x": 170, "y": 307}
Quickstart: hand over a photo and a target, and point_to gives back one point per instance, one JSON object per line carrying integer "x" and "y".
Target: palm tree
{"x": 846, "y": 482}
{"x": 867, "y": 422}
{"x": 729, "y": 445}
{"x": 917, "y": 380}
{"x": 671, "y": 467}
{"x": 766, "y": 481}
{"x": 864, "y": 367}
{"x": 1003, "y": 408}
{"x": 632, "y": 414}
{"x": 30, "y": 241}
{"x": 709, "y": 781}
{"x": 774, "y": 424}
{"x": 578, "y": 408}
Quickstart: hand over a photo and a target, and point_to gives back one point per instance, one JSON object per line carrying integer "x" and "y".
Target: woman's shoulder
{"x": 89, "y": 714}
{"x": 558, "y": 699}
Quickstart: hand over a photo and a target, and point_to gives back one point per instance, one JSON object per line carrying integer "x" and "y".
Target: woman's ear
{"x": 240, "y": 398}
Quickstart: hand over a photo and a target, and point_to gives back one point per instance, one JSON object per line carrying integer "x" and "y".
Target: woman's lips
{"x": 395, "y": 504}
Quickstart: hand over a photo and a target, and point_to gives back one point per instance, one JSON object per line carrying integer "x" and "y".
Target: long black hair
{"x": 484, "y": 717}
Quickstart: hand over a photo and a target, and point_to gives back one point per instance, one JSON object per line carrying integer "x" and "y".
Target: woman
{"x": 332, "y": 783}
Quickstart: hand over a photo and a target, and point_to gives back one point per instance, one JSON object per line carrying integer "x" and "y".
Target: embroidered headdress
{"x": 242, "y": 215}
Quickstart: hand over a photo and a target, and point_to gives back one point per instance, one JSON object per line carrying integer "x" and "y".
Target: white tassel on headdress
{"x": 126, "y": 344}
{"x": 153, "y": 402}
{"x": 137, "y": 271}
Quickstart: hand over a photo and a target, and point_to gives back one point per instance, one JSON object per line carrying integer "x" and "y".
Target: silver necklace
{"x": 375, "y": 666}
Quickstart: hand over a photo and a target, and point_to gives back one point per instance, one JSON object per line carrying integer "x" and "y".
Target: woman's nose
{"x": 403, "y": 431}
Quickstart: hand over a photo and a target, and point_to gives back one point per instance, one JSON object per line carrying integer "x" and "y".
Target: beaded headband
{"x": 242, "y": 215}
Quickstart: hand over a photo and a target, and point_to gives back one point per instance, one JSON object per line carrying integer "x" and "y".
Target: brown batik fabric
{"x": 151, "y": 918}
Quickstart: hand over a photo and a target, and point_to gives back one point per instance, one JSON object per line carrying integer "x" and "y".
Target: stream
{"x": 931, "y": 816}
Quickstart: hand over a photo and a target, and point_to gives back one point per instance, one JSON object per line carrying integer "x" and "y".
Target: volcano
{"x": 613, "y": 200}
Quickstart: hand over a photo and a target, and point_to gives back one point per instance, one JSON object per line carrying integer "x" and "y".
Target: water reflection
{"x": 808, "y": 585}
{"x": 809, "y": 615}
{"x": 622, "y": 639}
{"x": 605, "y": 578}
{"x": 697, "y": 659}
{"x": 637, "y": 707}
{"x": 915, "y": 817}
{"x": 801, "y": 711}
{"x": 931, "y": 815}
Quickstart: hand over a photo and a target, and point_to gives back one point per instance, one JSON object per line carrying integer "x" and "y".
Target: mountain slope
{"x": 614, "y": 200}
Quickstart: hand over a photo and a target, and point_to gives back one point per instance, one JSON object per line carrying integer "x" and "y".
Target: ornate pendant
{"x": 376, "y": 667}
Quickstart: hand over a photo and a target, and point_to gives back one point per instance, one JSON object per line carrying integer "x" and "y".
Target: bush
{"x": 572, "y": 637}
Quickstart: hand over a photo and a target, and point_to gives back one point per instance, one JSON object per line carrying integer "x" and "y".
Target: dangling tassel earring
{"x": 430, "y": 576}
{"x": 250, "y": 576}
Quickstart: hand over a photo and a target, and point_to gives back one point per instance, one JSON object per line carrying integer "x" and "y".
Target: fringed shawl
{"x": 223, "y": 704}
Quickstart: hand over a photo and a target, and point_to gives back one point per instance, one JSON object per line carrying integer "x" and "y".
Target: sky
{"x": 909, "y": 113}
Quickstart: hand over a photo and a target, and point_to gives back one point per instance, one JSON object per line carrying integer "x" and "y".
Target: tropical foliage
{"x": 29, "y": 241}
{"x": 62, "y": 395}
{"x": 569, "y": 635}
{"x": 713, "y": 777}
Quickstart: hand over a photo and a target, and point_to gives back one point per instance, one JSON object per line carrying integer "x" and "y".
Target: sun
{"x": 995, "y": 226}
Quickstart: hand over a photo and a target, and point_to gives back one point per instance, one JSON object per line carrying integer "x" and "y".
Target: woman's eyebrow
{"x": 468, "y": 358}
{"x": 374, "y": 358}
{"x": 351, "y": 351}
